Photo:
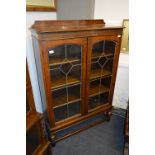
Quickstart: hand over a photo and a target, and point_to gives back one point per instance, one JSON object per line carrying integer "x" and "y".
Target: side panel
{"x": 40, "y": 75}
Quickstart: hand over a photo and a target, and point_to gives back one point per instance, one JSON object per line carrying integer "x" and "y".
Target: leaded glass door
{"x": 101, "y": 53}
{"x": 66, "y": 67}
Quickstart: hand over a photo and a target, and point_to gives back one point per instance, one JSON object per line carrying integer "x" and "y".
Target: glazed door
{"x": 102, "y": 61}
{"x": 65, "y": 72}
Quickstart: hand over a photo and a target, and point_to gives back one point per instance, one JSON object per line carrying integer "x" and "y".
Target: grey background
{"x": 75, "y": 9}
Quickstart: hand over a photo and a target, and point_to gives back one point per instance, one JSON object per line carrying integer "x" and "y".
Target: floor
{"x": 103, "y": 139}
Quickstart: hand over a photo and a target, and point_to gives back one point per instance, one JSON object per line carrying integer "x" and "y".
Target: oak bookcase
{"x": 76, "y": 63}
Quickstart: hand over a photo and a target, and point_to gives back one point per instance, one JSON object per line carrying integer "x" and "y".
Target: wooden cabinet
{"x": 36, "y": 143}
{"x": 76, "y": 65}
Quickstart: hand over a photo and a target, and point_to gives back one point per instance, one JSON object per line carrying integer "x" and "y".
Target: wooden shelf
{"x": 73, "y": 80}
{"x": 62, "y": 100}
{"x": 104, "y": 89}
{"x": 70, "y": 102}
{"x": 98, "y": 107}
{"x": 106, "y": 72}
{"x": 98, "y": 54}
{"x": 95, "y": 90}
{"x": 60, "y": 81}
{"x": 72, "y": 97}
{"x": 59, "y": 61}
{"x": 108, "y": 54}
{"x": 55, "y": 61}
{"x": 97, "y": 73}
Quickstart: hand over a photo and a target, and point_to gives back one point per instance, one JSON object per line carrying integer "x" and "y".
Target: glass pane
{"x": 60, "y": 113}
{"x": 103, "y": 48}
{"x": 94, "y": 87}
{"x": 109, "y": 47}
{"x": 74, "y": 76}
{"x": 95, "y": 70}
{"x": 74, "y": 93}
{"x": 104, "y": 98}
{"x": 74, "y": 108}
{"x": 59, "y": 97}
{"x": 74, "y": 52}
{"x": 98, "y": 100}
{"x": 105, "y": 84}
{"x": 107, "y": 69}
{"x": 58, "y": 78}
{"x": 93, "y": 101}
{"x": 32, "y": 140}
{"x": 97, "y": 49}
{"x": 102, "y": 57}
{"x": 65, "y": 63}
{"x": 57, "y": 55}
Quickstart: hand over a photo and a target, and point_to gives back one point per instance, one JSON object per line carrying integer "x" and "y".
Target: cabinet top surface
{"x": 52, "y": 26}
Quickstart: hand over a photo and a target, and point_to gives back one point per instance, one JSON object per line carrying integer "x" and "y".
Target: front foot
{"x": 53, "y": 138}
{"x": 108, "y": 116}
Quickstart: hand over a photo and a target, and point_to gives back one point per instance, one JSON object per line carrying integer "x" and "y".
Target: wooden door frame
{"x": 44, "y": 50}
{"x": 91, "y": 42}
